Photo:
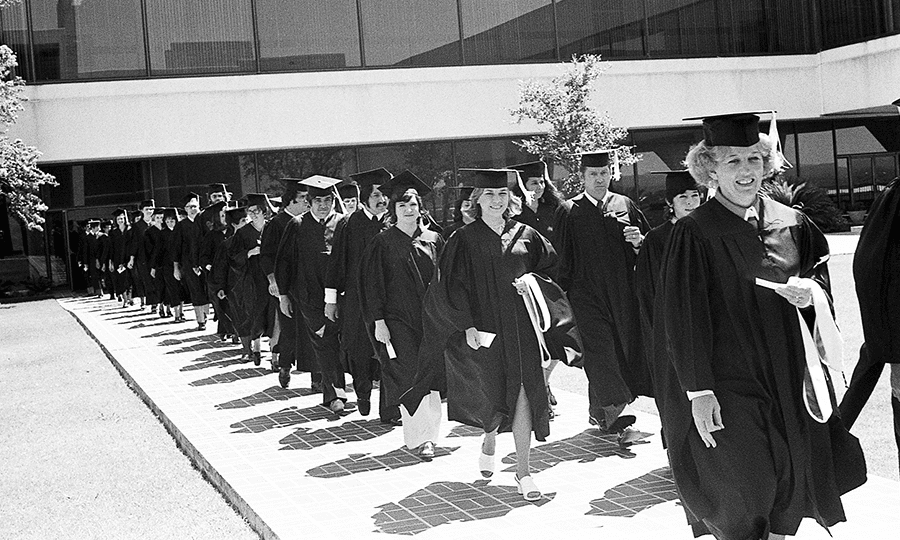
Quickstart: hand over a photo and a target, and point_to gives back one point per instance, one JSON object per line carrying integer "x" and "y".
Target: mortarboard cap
{"x": 170, "y": 213}
{"x": 296, "y": 183}
{"x": 348, "y": 189}
{"x": 260, "y": 200}
{"x": 404, "y": 181}
{"x": 599, "y": 158}
{"x": 677, "y": 182}
{"x": 158, "y": 211}
{"x": 735, "y": 129}
{"x": 146, "y": 204}
{"x": 494, "y": 178}
{"x": 532, "y": 169}
{"x": 187, "y": 198}
{"x": 118, "y": 212}
{"x": 218, "y": 188}
{"x": 215, "y": 207}
{"x": 320, "y": 186}
{"x": 374, "y": 177}
{"x": 235, "y": 214}
{"x": 93, "y": 222}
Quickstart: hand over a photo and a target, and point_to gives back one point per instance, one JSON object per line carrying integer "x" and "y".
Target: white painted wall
{"x": 133, "y": 119}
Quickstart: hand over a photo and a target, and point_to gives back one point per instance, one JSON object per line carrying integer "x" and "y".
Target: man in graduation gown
{"x": 218, "y": 193}
{"x": 598, "y": 236}
{"x": 876, "y": 270}
{"x": 187, "y": 236}
{"x": 141, "y": 267}
{"x": 682, "y": 197}
{"x": 301, "y": 265}
{"x": 290, "y": 339}
{"x": 352, "y": 236}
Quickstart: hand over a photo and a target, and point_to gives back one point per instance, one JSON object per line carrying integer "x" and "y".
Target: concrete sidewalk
{"x": 295, "y": 470}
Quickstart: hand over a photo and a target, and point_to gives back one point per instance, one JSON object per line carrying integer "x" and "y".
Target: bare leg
{"x": 489, "y": 444}
{"x": 773, "y": 536}
{"x": 521, "y": 428}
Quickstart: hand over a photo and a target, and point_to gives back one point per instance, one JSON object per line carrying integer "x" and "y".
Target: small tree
{"x": 572, "y": 125}
{"x": 20, "y": 177}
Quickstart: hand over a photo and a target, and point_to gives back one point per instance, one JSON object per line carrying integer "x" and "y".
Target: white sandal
{"x": 486, "y": 464}
{"x": 528, "y": 489}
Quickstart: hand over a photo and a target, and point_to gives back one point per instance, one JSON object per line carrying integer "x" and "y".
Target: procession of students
{"x": 721, "y": 314}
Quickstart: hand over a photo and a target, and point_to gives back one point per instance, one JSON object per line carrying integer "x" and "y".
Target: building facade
{"x": 154, "y": 98}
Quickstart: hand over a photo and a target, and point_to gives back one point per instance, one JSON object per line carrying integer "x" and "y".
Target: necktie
{"x": 751, "y": 217}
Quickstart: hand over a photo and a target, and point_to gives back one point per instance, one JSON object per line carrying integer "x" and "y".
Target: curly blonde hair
{"x": 702, "y": 158}
{"x": 514, "y": 208}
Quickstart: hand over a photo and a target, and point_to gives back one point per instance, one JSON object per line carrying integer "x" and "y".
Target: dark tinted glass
{"x": 815, "y": 154}
{"x": 612, "y": 28}
{"x": 846, "y": 22}
{"x": 200, "y": 36}
{"x": 307, "y": 35}
{"x": 117, "y": 182}
{"x": 14, "y": 34}
{"x": 87, "y": 40}
{"x": 271, "y": 166}
{"x": 60, "y": 196}
{"x": 507, "y": 31}
{"x": 682, "y": 28}
{"x": 660, "y": 150}
{"x": 410, "y": 32}
{"x": 194, "y": 174}
{"x": 867, "y": 136}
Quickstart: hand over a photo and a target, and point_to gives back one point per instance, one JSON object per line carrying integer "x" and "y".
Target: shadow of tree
{"x": 445, "y": 502}
{"x": 232, "y": 376}
{"x": 633, "y": 496}
{"x": 291, "y": 416}
{"x": 583, "y": 448}
{"x": 355, "y": 431}
{"x": 360, "y": 463}
{"x": 274, "y": 393}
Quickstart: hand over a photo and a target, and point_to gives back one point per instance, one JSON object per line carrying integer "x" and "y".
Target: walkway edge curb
{"x": 189, "y": 450}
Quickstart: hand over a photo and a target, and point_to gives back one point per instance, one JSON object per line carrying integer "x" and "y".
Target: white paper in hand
{"x": 485, "y": 338}
{"x": 392, "y": 354}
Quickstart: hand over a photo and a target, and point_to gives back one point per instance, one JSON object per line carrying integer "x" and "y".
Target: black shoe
{"x": 201, "y": 326}
{"x": 550, "y": 396}
{"x": 257, "y": 358}
{"x": 284, "y": 377}
{"x": 364, "y": 406}
{"x": 392, "y": 422}
{"x": 316, "y": 387}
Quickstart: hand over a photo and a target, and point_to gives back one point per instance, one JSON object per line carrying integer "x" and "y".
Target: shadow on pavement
{"x": 291, "y": 416}
{"x": 219, "y": 359}
{"x": 274, "y": 393}
{"x": 232, "y": 376}
{"x": 348, "y": 432}
{"x": 463, "y": 430}
{"x": 360, "y": 463}
{"x": 445, "y": 502}
{"x": 629, "y": 498}
{"x": 583, "y": 448}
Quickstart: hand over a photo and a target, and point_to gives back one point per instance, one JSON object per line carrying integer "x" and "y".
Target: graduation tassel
{"x": 616, "y": 172}
{"x": 775, "y": 141}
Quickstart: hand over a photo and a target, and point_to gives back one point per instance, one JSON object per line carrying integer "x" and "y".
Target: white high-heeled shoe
{"x": 486, "y": 464}
{"x": 527, "y": 488}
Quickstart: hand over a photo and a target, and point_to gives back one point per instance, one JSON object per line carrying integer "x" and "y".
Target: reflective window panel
{"x": 14, "y": 34}
{"x": 87, "y": 39}
{"x": 271, "y": 166}
{"x": 507, "y": 31}
{"x": 200, "y": 36}
{"x": 677, "y": 28}
{"x": 307, "y": 35}
{"x": 113, "y": 183}
{"x": 611, "y": 28}
{"x": 410, "y": 32}
{"x": 182, "y": 175}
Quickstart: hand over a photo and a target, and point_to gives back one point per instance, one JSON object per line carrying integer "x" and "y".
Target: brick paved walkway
{"x": 295, "y": 470}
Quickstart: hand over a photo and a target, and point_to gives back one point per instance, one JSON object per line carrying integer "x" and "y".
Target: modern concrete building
{"x": 153, "y": 98}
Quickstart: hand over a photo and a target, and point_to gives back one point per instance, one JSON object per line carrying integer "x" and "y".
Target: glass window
{"x": 271, "y": 166}
{"x": 14, "y": 34}
{"x": 815, "y": 155}
{"x": 60, "y": 196}
{"x": 885, "y": 171}
{"x": 685, "y": 28}
{"x": 790, "y": 33}
{"x": 200, "y": 36}
{"x": 507, "y": 31}
{"x": 410, "y": 33}
{"x": 79, "y": 40}
{"x": 612, "y": 28}
{"x": 114, "y": 182}
{"x": 660, "y": 150}
{"x": 307, "y": 35}
{"x": 432, "y": 162}
{"x": 867, "y": 135}
{"x": 183, "y": 175}
{"x": 850, "y": 22}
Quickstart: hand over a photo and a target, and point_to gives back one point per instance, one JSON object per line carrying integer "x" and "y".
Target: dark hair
{"x": 214, "y": 221}
{"x": 404, "y": 197}
{"x": 550, "y": 197}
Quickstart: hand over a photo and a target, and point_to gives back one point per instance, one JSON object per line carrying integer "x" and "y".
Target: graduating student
{"x": 349, "y": 193}
{"x": 222, "y": 275}
{"x": 396, "y": 270}
{"x": 152, "y": 239}
{"x": 752, "y": 441}
{"x": 213, "y": 218}
{"x": 218, "y": 193}
{"x": 91, "y": 257}
{"x": 301, "y": 266}
{"x": 187, "y": 237}
{"x": 598, "y": 234}
{"x": 252, "y": 307}
{"x": 682, "y": 197}
{"x": 461, "y": 211}
{"x": 498, "y": 385}
{"x": 141, "y": 270}
{"x": 166, "y": 254}
{"x": 352, "y": 236}
{"x": 294, "y": 203}
{"x": 120, "y": 257}
{"x": 103, "y": 252}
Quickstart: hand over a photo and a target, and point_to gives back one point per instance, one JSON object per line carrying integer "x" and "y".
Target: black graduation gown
{"x": 140, "y": 272}
{"x": 151, "y": 245}
{"x": 119, "y": 255}
{"x": 220, "y": 278}
{"x": 174, "y": 293}
{"x": 743, "y": 341}
{"x": 543, "y": 221}
{"x": 187, "y": 235}
{"x": 474, "y": 289}
{"x": 352, "y": 236}
{"x": 209, "y": 244}
{"x": 395, "y": 272}
{"x": 596, "y": 270}
{"x": 250, "y": 301}
{"x": 646, "y": 274}
{"x": 93, "y": 261}
{"x": 300, "y": 268}
{"x": 452, "y": 228}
